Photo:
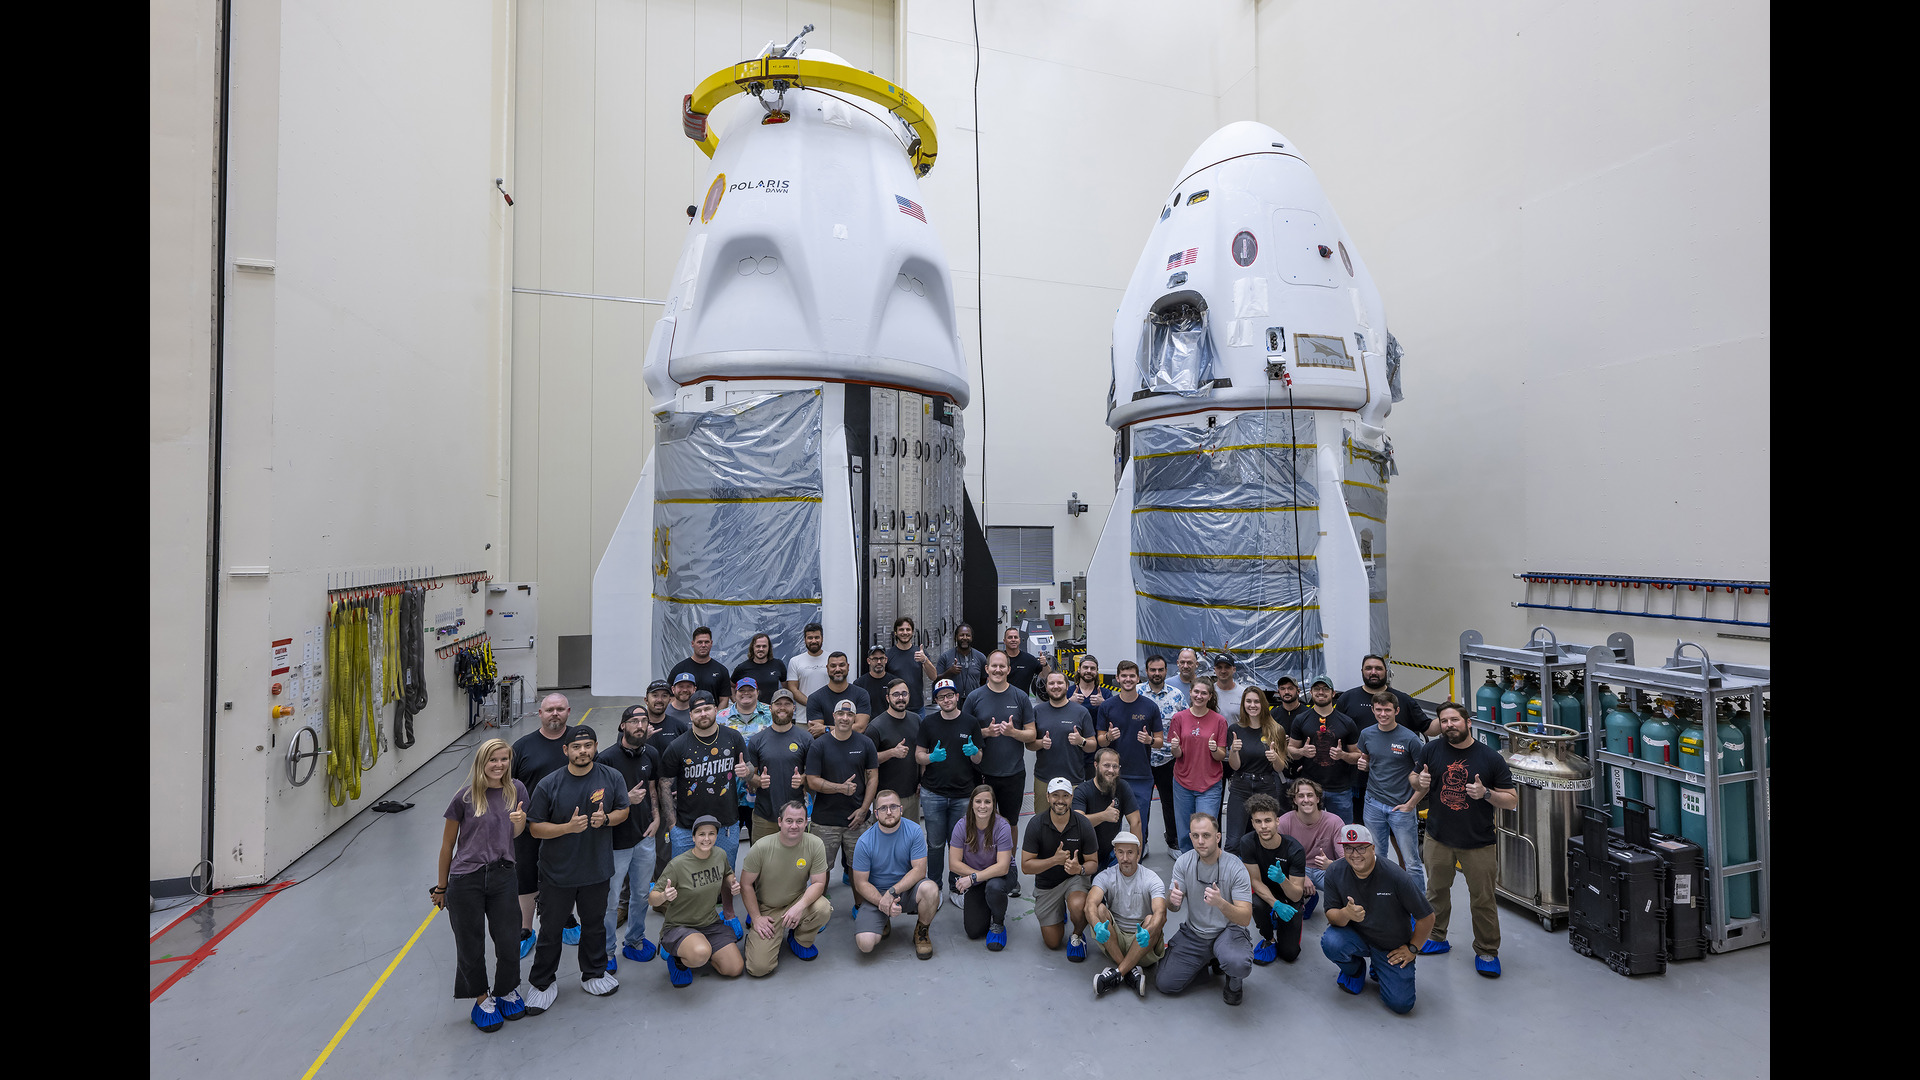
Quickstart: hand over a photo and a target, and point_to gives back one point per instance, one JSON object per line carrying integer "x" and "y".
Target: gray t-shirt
{"x": 1000, "y": 755}
{"x": 1390, "y": 756}
{"x": 1062, "y": 758}
{"x": 973, "y": 670}
{"x": 783, "y": 755}
{"x": 1227, "y": 873}
{"x": 1130, "y": 898}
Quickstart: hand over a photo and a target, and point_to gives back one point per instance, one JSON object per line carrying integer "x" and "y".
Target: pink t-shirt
{"x": 1317, "y": 839}
{"x": 1195, "y": 768}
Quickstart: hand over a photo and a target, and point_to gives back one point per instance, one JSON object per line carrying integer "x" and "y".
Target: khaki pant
{"x": 839, "y": 842}
{"x": 910, "y": 811}
{"x": 1480, "y": 866}
{"x": 762, "y": 828}
{"x": 763, "y": 955}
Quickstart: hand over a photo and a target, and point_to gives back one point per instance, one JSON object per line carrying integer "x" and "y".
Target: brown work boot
{"x": 922, "y": 941}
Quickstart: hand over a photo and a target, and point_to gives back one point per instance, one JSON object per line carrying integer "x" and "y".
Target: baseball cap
{"x": 844, "y": 705}
{"x": 944, "y": 684}
{"x": 1286, "y": 680}
{"x": 631, "y": 711}
{"x": 1223, "y": 658}
{"x": 579, "y": 732}
{"x": 881, "y": 649}
{"x": 1059, "y": 783}
{"x": 1125, "y": 837}
{"x": 705, "y": 819}
{"x": 701, "y": 697}
{"x": 1319, "y": 680}
{"x": 784, "y": 694}
{"x": 1355, "y": 834}
{"x": 685, "y": 676}
{"x": 748, "y": 681}
{"x": 658, "y": 684}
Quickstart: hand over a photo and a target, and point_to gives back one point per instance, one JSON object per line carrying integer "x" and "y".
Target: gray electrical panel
{"x": 912, "y": 524}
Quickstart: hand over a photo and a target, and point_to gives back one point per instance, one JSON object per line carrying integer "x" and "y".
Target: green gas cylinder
{"x": 1623, "y": 737}
{"x": 1486, "y": 708}
{"x": 1657, "y": 735}
{"x": 1513, "y": 703}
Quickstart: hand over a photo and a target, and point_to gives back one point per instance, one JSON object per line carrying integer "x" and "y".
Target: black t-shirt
{"x": 820, "y": 703}
{"x": 1335, "y": 730}
{"x": 955, "y": 777}
{"x": 1391, "y": 898}
{"x": 902, "y": 665}
{"x": 640, "y": 766}
{"x": 837, "y": 762}
{"x": 1023, "y": 669}
{"x": 1090, "y": 800}
{"x": 1357, "y": 703}
{"x": 766, "y": 677}
{"x": 875, "y": 689}
{"x": 898, "y": 775}
{"x": 782, "y": 754}
{"x": 582, "y": 858}
{"x": 1255, "y": 772}
{"x": 1043, "y": 840}
{"x": 1000, "y": 755}
{"x": 668, "y": 729}
{"x": 1062, "y": 758}
{"x": 1452, "y": 818}
{"x": 1130, "y": 718}
{"x": 710, "y": 676}
{"x": 535, "y": 757}
{"x": 702, "y": 775}
{"x": 1290, "y": 855}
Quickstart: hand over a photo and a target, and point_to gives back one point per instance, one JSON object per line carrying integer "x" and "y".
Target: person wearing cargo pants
{"x": 784, "y": 885}
{"x": 1468, "y": 781}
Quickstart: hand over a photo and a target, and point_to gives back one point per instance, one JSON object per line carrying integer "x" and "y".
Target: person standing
{"x": 1277, "y": 867}
{"x": 537, "y": 755}
{"x": 949, "y": 762}
{"x": 633, "y": 839}
{"x": 1128, "y": 906}
{"x": 477, "y": 884}
{"x": 691, "y": 934}
{"x": 574, "y": 811}
{"x": 1060, "y": 850}
{"x": 820, "y": 703}
{"x": 702, "y": 767}
{"x": 873, "y": 683}
{"x": 843, "y": 771}
{"x": 895, "y": 732}
{"x": 709, "y": 674}
{"x": 767, "y": 671}
{"x": 1108, "y": 803}
{"x": 680, "y": 700}
{"x": 1086, "y": 692}
{"x": 1382, "y": 925}
{"x": 1224, "y": 686}
{"x": 1466, "y": 781}
{"x": 1060, "y": 729}
{"x": 665, "y": 728}
{"x": 1357, "y": 702}
{"x": 778, "y": 757}
{"x": 1318, "y": 833}
{"x": 1187, "y": 668}
{"x": 1200, "y": 742}
{"x": 807, "y": 671}
{"x": 965, "y": 665}
{"x": 749, "y": 716}
{"x": 1170, "y": 699}
{"x": 1322, "y": 741}
{"x": 890, "y": 878}
{"x": 1216, "y": 926}
{"x": 1023, "y": 668}
{"x": 1130, "y": 724}
{"x": 1256, "y": 751}
{"x": 907, "y": 661}
{"x": 980, "y": 865}
{"x": 1387, "y": 753}
{"x": 1286, "y": 702}
{"x": 784, "y": 885}
{"x": 1002, "y": 713}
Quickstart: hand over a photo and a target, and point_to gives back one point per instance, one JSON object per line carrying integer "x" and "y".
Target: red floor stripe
{"x": 206, "y": 950}
{"x": 176, "y": 922}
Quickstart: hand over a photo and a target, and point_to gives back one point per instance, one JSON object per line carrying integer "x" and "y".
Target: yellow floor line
{"x": 377, "y": 984}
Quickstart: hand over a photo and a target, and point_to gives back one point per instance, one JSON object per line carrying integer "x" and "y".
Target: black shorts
{"x": 526, "y": 862}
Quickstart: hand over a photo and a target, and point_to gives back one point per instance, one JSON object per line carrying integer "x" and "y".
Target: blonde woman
{"x": 478, "y": 884}
{"x": 1256, "y": 750}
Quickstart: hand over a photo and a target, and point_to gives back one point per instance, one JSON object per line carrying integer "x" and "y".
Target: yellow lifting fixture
{"x": 782, "y": 73}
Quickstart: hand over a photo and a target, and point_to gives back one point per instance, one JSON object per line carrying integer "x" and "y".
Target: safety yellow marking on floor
{"x": 377, "y": 984}
{"x": 584, "y": 715}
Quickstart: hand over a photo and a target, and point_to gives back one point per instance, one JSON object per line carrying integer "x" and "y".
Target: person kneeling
{"x": 1215, "y": 932}
{"x": 784, "y": 882}
{"x": 692, "y": 932}
{"x": 1061, "y": 850}
{"x": 890, "y": 878}
{"x": 1385, "y": 920}
{"x": 1277, "y": 866}
{"x": 980, "y": 862}
{"x": 1128, "y": 906}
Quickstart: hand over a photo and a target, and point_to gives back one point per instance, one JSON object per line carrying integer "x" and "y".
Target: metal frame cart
{"x": 1708, "y": 683}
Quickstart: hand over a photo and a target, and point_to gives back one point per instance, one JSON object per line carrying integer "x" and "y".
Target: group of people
{"x": 915, "y": 802}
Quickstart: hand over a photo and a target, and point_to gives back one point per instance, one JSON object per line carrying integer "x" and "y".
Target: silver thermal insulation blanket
{"x": 1225, "y": 528}
{"x": 736, "y": 525}
{"x": 1176, "y": 351}
{"x": 1364, "y": 483}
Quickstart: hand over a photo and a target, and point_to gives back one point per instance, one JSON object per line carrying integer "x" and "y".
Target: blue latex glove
{"x": 1141, "y": 937}
{"x": 967, "y": 747}
{"x": 1285, "y": 910}
{"x": 1101, "y": 933}
{"x": 939, "y": 753}
{"x": 1275, "y": 875}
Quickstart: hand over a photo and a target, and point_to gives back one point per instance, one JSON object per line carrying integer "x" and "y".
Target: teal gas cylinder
{"x": 1566, "y": 713}
{"x": 1513, "y": 703}
{"x": 1535, "y": 712}
{"x": 1623, "y": 737}
{"x": 1607, "y": 701}
{"x": 1736, "y": 827}
{"x": 1657, "y": 734}
{"x": 1486, "y": 708}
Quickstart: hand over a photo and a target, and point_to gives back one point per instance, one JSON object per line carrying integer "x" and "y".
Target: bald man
{"x": 535, "y": 755}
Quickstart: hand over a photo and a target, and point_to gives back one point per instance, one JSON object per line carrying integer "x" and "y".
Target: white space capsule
{"x": 1252, "y": 373}
{"x": 807, "y": 376}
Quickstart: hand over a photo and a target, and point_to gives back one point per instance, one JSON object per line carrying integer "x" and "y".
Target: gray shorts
{"x": 716, "y": 932}
{"x": 1050, "y": 905}
{"x": 870, "y": 921}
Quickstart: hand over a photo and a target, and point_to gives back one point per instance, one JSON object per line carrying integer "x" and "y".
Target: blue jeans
{"x": 1405, "y": 828}
{"x": 940, "y": 813}
{"x": 1350, "y": 952}
{"x": 728, "y": 842}
{"x": 1187, "y": 803}
{"x": 636, "y": 865}
{"x": 1340, "y": 805}
{"x": 1142, "y": 788}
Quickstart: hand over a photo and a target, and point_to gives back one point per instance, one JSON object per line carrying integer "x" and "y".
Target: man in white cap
{"x": 1061, "y": 850}
{"x": 1218, "y": 896}
{"x": 1382, "y": 917}
{"x": 1128, "y": 907}
{"x": 843, "y": 771}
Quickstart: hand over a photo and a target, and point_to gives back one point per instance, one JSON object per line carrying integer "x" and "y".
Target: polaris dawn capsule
{"x": 807, "y": 379}
{"x": 1252, "y": 375}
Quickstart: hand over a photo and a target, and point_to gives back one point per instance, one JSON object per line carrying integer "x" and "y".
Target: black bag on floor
{"x": 1618, "y": 897}
{"x": 1686, "y": 868}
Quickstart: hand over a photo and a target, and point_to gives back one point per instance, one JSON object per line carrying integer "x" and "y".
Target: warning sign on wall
{"x": 282, "y": 651}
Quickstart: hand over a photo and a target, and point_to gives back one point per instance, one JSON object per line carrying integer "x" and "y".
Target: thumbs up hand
{"x": 1046, "y": 741}
{"x": 518, "y": 815}
{"x": 597, "y": 818}
{"x": 743, "y": 769}
{"x": 1355, "y": 913}
{"x": 1362, "y": 762}
{"x": 966, "y": 747}
{"x": 1212, "y": 746}
{"x": 1145, "y": 736}
{"x": 1476, "y": 790}
{"x": 765, "y": 780}
{"x": 1308, "y": 750}
{"x": 1273, "y": 757}
{"x": 938, "y": 753}
{"x": 1421, "y": 781}
{"x": 799, "y": 780}
{"x": 667, "y": 892}
{"x": 1236, "y": 744}
{"x": 577, "y": 823}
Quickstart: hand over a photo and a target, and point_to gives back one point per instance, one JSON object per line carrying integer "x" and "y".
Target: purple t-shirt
{"x": 980, "y": 860}
{"x": 484, "y": 839}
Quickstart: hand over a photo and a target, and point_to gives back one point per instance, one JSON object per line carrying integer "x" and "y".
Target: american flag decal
{"x": 911, "y": 208}
{"x": 1183, "y": 258}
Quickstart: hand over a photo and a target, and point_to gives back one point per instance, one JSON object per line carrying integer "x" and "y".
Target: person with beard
{"x": 1169, "y": 699}
{"x": 807, "y": 671}
{"x": 633, "y": 839}
{"x": 767, "y": 671}
{"x": 964, "y": 664}
{"x": 702, "y": 767}
{"x": 709, "y": 674}
{"x": 1356, "y": 704}
{"x": 574, "y": 811}
{"x": 778, "y": 756}
{"x": 1322, "y": 742}
{"x": 1467, "y": 781}
{"x": 536, "y": 755}
{"x": 820, "y": 703}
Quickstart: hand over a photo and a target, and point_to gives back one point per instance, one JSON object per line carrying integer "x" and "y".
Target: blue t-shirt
{"x": 887, "y": 857}
{"x": 1143, "y": 713}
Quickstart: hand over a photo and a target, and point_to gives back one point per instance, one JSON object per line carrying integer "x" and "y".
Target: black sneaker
{"x": 1232, "y": 991}
{"x": 1014, "y": 893}
{"x": 1108, "y": 979}
{"x": 1138, "y": 977}
{"x": 1213, "y": 967}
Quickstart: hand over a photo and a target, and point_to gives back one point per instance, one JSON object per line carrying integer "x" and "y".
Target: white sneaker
{"x": 601, "y": 985}
{"x": 954, "y": 899}
{"x": 538, "y": 1000}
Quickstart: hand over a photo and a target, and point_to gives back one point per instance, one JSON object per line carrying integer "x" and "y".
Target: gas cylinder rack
{"x": 1700, "y": 679}
{"x": 1541, "y": 657}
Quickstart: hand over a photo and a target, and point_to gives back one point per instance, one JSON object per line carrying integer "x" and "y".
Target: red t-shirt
{"x": 1196, "y": 769}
